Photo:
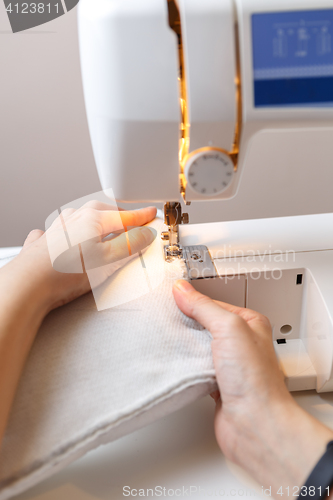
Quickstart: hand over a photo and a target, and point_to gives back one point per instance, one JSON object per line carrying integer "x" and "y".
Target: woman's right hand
{"x": 258, "y": 424}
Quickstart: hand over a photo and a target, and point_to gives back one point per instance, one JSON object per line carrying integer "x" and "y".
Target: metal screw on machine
{"x": 196, "y": 257}
{"x": 185, "y": 218}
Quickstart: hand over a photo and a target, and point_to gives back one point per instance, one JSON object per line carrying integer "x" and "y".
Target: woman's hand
{"x": 75, "y": 244}
{"x": 258, "y": 425}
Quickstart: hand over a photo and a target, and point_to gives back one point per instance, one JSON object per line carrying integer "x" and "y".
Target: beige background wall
{"x": 45, "y": 153}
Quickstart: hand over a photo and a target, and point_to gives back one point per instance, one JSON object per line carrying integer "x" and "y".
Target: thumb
{"x": 210, "y": 314}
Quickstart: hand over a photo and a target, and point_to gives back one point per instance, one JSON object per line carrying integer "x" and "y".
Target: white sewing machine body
{"x": 255, "y": 82}
{"x": 273, "y": 266}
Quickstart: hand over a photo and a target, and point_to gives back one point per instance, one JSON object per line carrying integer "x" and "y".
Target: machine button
{"x": 209, "y": 172}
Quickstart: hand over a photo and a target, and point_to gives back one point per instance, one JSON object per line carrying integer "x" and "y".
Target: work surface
{"x": 176, "y": 452}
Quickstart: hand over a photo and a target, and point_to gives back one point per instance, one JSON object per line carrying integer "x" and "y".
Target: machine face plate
{"x": 198, "y": 262}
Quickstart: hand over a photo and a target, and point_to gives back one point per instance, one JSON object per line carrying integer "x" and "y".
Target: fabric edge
{"x": 180, "y": 397}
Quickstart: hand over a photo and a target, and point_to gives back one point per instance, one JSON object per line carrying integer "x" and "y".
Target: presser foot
{"x": 172, "y": 252}
{"x": 172, "y": 218}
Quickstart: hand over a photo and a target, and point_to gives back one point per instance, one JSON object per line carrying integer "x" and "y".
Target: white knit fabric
{"x": 95, "y": 375}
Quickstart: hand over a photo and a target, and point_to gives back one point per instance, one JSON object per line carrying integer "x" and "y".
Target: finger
{"x": 34, "y": 235}
{"x": 254, "y": 319}
{"x": 128, "y": 218}
{"x": 125, "y": 245}
{"x": 97, "y": 254}
{"x": 138, "y": 217}
{"x": 207, "y": 312}
{"x": 130, "y": 243}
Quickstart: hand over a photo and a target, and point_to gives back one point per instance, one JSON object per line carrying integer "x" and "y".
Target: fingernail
{"x": 184, "y": 286}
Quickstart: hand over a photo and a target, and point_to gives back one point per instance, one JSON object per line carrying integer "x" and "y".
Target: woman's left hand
{"x": 57, "y": 275}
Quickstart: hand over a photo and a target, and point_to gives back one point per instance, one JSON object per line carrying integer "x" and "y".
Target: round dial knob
{"x": 209, "y": 172}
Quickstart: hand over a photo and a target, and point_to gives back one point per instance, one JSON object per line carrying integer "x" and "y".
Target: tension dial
{"x": 209, "y": 172}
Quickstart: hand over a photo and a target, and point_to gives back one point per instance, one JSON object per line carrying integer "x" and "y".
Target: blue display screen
{"x": 293, "y": 58}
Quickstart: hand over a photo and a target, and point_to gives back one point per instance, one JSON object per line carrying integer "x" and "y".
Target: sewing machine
{"x": 206, "y": 100}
